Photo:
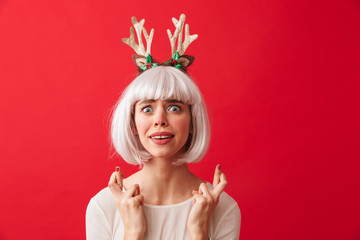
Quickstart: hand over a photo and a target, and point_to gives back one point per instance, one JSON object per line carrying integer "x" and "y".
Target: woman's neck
{"x": 164, "y": 173}
{"x": 163, "y": 183}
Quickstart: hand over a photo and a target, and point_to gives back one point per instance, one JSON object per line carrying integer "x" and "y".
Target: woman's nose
{"x": 160, "y": 119}
{"x": 160, "y": 123}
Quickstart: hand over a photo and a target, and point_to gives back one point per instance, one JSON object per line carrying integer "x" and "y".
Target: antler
{"x": 139, "y": 48}
{"x": 179, "y": 25}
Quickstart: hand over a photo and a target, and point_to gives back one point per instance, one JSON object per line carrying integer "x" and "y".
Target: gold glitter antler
{"x": 139, "y": 48}
{"x": 182, "y": 46}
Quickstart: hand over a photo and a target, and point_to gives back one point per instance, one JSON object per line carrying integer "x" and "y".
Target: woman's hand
{"x": 130, "y": 205}
{"x": 205, "y": 201}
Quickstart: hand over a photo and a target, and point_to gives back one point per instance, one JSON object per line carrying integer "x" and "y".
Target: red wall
{"x": 281, "y": 80}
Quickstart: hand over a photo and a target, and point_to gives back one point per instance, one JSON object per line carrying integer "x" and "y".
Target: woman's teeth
{"x": 161, "y": 137}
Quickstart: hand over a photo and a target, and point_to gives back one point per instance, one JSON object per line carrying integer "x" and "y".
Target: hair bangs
{"x": 160, "y": 83}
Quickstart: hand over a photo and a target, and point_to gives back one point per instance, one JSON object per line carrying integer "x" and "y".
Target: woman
{"x": 161, "y": 123}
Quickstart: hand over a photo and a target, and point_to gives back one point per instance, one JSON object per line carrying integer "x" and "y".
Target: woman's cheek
{"x": 141, "y": 127}
{"x": 183, "y": 125}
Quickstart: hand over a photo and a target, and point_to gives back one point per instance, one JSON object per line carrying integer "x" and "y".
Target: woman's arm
{"x": 205, "y": 202}
{"x": 97, "y": 223}
{"x": 130, "y": 205}
{"x": 226, "y": 220}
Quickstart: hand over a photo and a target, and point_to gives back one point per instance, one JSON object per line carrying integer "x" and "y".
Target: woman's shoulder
{"x": 227, "y": 203}
{"x": 103, "y": 194}
{"x": 103, "y": 201}
{"x": 101, "y": 215}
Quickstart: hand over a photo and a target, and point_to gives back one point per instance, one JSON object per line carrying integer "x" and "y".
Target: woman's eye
{"x": 174, "y": 108}
{"x": 146, "y": 109}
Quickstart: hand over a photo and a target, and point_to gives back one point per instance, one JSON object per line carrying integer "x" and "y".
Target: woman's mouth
{"x": 161, "y": 138}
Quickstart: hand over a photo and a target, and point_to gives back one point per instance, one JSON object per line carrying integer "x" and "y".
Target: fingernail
{"x": 117, "y": 169}
{"x": 219, "y": 166}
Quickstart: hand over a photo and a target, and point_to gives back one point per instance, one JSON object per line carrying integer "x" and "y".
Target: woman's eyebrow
{"x": 173, "y": 101}
{"x": 146, "y": 101}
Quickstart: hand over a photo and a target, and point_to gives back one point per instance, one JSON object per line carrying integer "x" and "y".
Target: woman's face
{"x": 163, "y": 126}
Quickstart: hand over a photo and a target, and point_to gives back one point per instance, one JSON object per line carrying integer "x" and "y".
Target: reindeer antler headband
{"x": 144, "y": 60}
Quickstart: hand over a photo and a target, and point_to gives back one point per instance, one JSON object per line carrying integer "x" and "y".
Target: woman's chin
{"x": 171, "y": 157}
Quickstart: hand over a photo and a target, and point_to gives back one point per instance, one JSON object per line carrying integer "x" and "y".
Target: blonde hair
{"x": 162, "y": 83}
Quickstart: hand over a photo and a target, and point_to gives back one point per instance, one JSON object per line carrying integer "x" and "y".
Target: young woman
{"x": 161, "y": 123}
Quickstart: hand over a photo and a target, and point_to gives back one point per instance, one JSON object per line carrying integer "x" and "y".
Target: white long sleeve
{"x": 103, "y": 221}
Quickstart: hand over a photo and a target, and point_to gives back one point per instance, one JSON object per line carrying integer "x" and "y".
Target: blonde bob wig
{"x": 162, "y": 82}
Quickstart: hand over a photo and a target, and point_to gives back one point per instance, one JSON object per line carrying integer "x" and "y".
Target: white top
{"x": 103, "y": 220}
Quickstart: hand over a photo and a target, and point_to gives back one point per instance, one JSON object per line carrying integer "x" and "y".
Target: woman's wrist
{"x": 133, "y": 236}
{"x": 198, "y": 234}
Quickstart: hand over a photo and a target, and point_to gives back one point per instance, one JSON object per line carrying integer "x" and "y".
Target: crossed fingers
{"x": 116, "y": 183}
{"x": 132, "y": 194}
{"x": 219, "y": 184}
{"x": 220, "y": 181}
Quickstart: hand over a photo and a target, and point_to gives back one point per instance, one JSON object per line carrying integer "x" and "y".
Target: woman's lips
{"x": 161, "y": 138}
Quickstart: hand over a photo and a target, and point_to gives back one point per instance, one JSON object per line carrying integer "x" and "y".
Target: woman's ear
{"x": 135, "y": 131}
{"x": 132, "y": 124}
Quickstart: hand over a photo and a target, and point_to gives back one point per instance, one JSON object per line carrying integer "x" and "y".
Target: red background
{"x": 281, "y": 80}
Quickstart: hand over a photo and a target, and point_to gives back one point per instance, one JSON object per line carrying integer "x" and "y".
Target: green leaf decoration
{"x": 149, "y": 58}
{"x": 176, "y": 56}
